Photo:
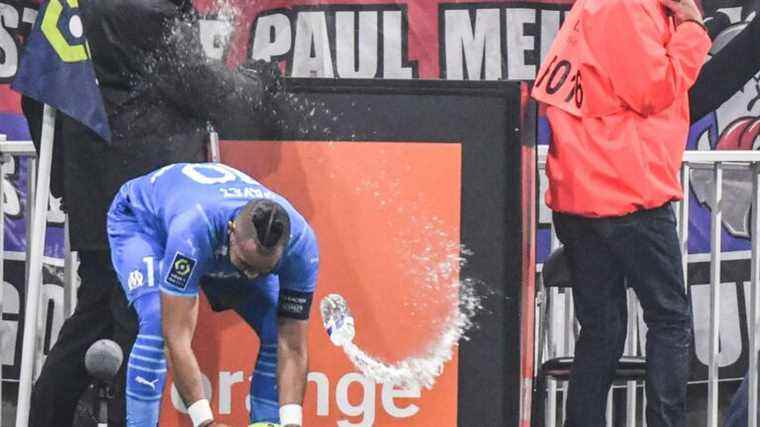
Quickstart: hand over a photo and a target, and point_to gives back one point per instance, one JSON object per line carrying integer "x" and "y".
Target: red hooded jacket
{"x": 616, "y": 86}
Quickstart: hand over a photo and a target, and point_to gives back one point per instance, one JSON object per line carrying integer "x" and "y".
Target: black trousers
{"x": 102, "y": 311}
{"x": 605, "y": 254}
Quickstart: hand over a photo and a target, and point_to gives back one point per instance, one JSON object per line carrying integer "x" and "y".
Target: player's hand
{"x": 683, "y": 10}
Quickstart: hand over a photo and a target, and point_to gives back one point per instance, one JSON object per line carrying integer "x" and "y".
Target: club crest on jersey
{"x": 182, "y": 269}
{"x": 135, "y": 280}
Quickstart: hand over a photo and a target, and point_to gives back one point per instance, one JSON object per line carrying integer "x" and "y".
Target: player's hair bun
{"x": 271, "y": 222}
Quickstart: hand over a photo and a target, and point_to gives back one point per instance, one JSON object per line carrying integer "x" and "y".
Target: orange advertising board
{"x": 387, "y": 218}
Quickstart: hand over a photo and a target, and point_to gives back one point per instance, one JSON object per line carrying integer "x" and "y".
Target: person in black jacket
{"x": 160, "y": 93}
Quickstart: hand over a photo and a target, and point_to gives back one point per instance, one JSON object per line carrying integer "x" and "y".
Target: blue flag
{"x": 56, "y": 69}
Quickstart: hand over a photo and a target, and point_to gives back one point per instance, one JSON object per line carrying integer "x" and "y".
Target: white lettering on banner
{"x": 214, "y": 36}
{"x": 11, "y": 18}
{"x": 8, "y": 45}
{"x": 12, "y": 207}
{"x": 226, "y": 381}
{"x": 549, "y": 29}
{"x": 272, "y": 37}
{"x": 311, "y": 51}
{"x": 337, "y": 41}
{"x": 734, "y": 14}
{"x": 179, "y": 405}
{"x": 395, "y": 37}
{"x": 472, "y": 47}
{"x": 347, "y": 53}
{"x": 392, "y": 392}
{"x": 52, "y": 302}
{"x": 729, "y": 332}
{"x": 28, "y": 16}
{"x": 323, "y": 392}
{"x": 481, "y": 42}
{"x": 9, "y": 323}
{"x": 365, "y": 408}
{"x": 519, "y": 44}
{"x": 55, "y": 214}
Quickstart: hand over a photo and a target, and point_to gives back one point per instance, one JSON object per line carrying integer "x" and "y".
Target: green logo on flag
{"x": 50, "y": 28}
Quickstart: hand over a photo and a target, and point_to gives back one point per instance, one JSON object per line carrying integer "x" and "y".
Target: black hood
{"x": 185, "y": 6}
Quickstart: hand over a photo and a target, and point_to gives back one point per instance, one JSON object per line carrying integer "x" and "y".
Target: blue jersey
{"x": 186, "y": 208}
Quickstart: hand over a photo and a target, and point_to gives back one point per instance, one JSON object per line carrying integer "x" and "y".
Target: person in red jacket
{"x": 616, "y": 85}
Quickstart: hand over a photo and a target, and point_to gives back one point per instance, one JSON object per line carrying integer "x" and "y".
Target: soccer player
{"x": 187, "y": 224}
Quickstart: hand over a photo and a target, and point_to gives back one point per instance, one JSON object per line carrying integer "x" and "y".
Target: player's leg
{"x": 136, "y": 258}
{"x": 146, "y": 367}
{"x": 125, "y": 326}
{"x": 260, "y": 311}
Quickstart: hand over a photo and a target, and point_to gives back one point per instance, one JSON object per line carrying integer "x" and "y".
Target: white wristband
{"x": 291, "y": 414}
{"x": 200, "y": 412}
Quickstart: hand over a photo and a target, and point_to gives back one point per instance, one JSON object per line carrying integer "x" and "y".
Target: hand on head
{"x": 683, "y": 10}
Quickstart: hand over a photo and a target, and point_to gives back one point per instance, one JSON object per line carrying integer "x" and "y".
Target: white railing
{"x": 717, "y": 162}
{"x": 11, "y": 148}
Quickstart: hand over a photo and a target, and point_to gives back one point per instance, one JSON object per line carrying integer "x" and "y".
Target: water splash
{"x": 433, "y": 260}
{"x": 423, "y": 369}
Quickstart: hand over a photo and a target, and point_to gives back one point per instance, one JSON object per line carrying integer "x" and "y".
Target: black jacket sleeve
{"x": 202, "y": 87}
{"x": 149, "y": 51}
{"x": 727, "y": 72}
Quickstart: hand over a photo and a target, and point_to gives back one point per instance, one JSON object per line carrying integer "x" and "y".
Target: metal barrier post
{"x": 213, "y": 145}
{"x": 7, "y": 148}
{"x": 2, "y": 272}
{"x": 631, "y": 348}
{"x": 36, "y": 246}
{"x": 610, "y": 402}
{"x": 754, "y": 298}
{"x": 716, "y": 227}
{"x": 69, "y": 273}
{"x": 683, "y": 223}
{"x": 551, "y": 383}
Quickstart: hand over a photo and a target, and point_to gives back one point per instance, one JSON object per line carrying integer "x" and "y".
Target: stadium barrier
{"x": 716, "y": 162}
{"x": 11, "y": 148}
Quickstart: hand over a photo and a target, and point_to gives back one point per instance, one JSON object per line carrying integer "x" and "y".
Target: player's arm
{"x": 185, "y": 260}
{"x": 179, "y": 317}
{"x": 298, "y": 280}
{"x": 292, "y": 366}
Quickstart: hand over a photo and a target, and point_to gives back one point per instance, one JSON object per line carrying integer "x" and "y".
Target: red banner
{"x": 498, "y": 40}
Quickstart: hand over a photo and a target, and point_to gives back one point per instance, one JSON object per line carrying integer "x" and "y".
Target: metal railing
{"x": 12, "y": 148}
{"x": 716, "y": 162}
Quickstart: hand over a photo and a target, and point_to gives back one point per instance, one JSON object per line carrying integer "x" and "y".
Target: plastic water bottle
{"x": 337, "y": 319}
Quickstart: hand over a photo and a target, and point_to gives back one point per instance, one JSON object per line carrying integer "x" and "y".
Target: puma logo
{"x": 151, "y": 384}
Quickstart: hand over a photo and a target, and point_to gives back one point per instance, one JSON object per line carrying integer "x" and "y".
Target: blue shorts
{"x": 136, "y": 254}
